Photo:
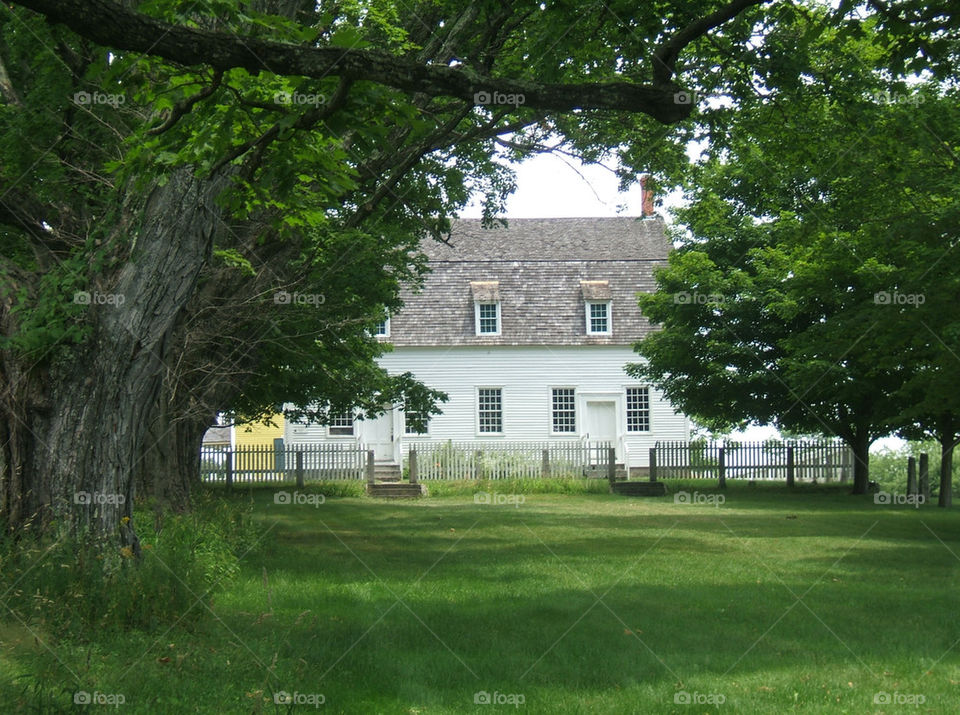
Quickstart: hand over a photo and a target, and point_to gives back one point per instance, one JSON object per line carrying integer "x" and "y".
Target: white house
{"x": 527, "y": 329}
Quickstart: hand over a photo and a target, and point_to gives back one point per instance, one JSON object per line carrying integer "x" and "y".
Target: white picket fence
{"x": 268, "y": 464}
{"x": 507, "y": 460}
{"x": 821, "y": 460}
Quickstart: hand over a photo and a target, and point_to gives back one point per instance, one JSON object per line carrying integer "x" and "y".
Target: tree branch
{"x": 305, "y": 121}
{"x": 665, "y": 56}
{"x": 186, "y": 105}
{"x": 113, "y": 25}
{"x": 6, "y": 87}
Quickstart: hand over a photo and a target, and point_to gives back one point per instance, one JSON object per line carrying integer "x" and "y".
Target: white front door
{"x": 601, "y": 422}
{"x": 379, "y": 437}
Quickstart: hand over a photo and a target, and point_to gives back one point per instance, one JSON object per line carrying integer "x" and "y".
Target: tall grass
{"x": 62, "y": 584}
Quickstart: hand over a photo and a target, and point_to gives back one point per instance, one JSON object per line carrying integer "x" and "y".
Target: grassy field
{"x": 772, "y": 601}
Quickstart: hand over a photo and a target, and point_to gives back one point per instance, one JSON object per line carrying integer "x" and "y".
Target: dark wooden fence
{"x": 290, "y": 463}
{"x": 820, "y": 460}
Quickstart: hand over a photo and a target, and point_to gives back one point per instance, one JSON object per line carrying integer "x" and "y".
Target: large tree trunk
{"x": 76, "y": 431}
{"x": 170, "y": 468}
{"x": 860, "y": 444}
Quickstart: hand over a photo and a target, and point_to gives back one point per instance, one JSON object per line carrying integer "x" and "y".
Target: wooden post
{"x": 791, "y": 477}
{"x": 229, "y": 469}
{"x": 299, "y": 469}
{"x": 413, "y": 465}
{"x": 653, "y": 464}
{"x": 911, "y": 475}
{"x": 722, "y": 467}
{"x": 925, "y": 477}
{"x": 371, "y": 470}
{"x": 545, "y": 464}
{"x": 611, "y": 465}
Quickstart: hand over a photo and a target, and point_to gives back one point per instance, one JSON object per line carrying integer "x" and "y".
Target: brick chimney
{"x": 646, "y": 196}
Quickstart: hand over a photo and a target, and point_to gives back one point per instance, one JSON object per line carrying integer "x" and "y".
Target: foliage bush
{"x": 888, "y": 467}
{"x": 70, "y": 585}
{"x": 338, "y": 488}
{"x": 341, "y": 488}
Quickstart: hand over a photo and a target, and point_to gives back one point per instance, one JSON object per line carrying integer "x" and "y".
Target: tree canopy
{"x": 813, "y": 290}
{"x": 208, "y": 207}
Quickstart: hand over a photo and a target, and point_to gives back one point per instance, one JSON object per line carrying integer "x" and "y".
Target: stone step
{"x": 386, "y": 472}
{"x": 640, "y": 489}
{"x": 395, "y": 491}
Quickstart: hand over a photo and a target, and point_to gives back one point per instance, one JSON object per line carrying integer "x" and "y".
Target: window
{"x": 488, "y": 318}
{"x": 638, "y": 409}
{"x": 341, "y": 424}
{"x": 383, "y": 328}
{"x": 598, "y": 318}
{"x": 490, "y": 410}
{"x": 412, "y": 419}
{"x": 564, "y": 410}
{"x": 486, "y": 306}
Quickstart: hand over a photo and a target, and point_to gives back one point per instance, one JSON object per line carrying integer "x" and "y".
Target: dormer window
{"x": 598, "y": 318}
{"x": 383, "y": 328}
{"x": 597, "y": 307}
{"x": 488, "y": 318}
{"x": 486, "y": 306}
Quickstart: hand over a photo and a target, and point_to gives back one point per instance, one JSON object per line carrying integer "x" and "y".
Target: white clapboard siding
{"x": 295, "y": 433}
{"x": 526, "y": 375}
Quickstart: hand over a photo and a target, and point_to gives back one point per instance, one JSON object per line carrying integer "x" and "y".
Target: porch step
{"x": 640, "y": 489}
{"x": 386, "y": 472}
{"x": 395, "y": 491}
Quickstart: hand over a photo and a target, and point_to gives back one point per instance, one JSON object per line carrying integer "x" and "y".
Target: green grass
{"x": 809, "y": 601}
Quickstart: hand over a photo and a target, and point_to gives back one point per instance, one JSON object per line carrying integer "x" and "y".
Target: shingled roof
{"x": 543, "y": 269}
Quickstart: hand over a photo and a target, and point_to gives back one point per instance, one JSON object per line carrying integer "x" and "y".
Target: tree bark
{"x": 170, "y": 467}
{"x": 948, "y": 441}
{"x": 860, "y": 444}
{"x": 945, "y": 499}
{"x": 76, "y": 429}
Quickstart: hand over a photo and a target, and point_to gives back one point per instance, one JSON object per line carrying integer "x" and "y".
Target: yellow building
{"x": 255, "y": 447}
{"x": 258, "y": 434}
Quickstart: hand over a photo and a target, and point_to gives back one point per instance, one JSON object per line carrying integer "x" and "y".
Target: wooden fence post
{"x": 722, "y": 467}
{"x": 413, "y": 465}
{"x": 791, "y": 477}
{"x": 925, "y": 477}
{"x": 299, "y": 469}
{"x": 611, "y": 464}
{"x": 229, "y": 469}
{"x": 911, "y": 475}
{"x": 545, "y": 464}
{"x": 371, "y": 470}
{"x": 653, "y": 464}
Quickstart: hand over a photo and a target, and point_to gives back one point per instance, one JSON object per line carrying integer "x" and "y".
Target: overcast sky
{"x": 549, "y": 188}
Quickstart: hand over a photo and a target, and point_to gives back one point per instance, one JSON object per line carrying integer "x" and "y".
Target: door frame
{"x": 389, "y": 417}
{"x": 617, "y": 398}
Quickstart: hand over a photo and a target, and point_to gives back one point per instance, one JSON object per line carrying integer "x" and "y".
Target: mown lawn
{"x": 773, "y": 601}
